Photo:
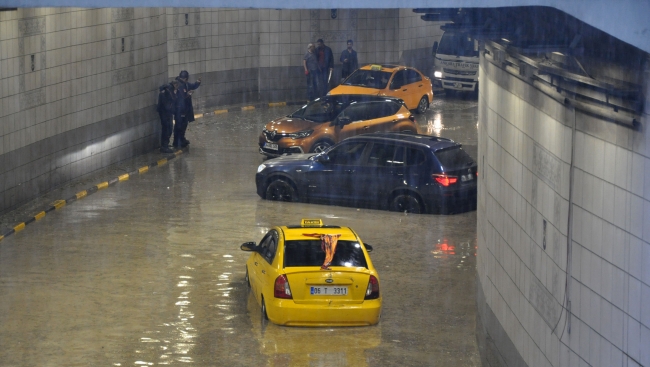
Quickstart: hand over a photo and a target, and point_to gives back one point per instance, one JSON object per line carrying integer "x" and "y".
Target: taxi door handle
{"x": 366, "y": 127}
{"x": 405, "y": 89}
{"x": 263, "y": 271}
{"x": 255, "y": 263}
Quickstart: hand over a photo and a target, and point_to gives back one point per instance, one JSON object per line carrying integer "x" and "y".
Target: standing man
{"x": 310, "y": 63}
{"x": 184, "y": 109}
{"x": 325, "y": 64}
{"x": 349, "y": 60}
{"x": 166, "y": 107}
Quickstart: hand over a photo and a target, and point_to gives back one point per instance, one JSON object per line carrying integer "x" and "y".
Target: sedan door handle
{"x": 255, "y": 263}
{"x": 263, "y": 271}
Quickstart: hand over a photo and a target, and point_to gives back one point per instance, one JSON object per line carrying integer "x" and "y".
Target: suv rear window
{"x": 310, "y": 253}
{"x": 454, "y": 158}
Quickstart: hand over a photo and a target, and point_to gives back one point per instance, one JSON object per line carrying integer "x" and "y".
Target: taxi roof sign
{"x": 375, "y": 67}
{"x": 311, "y": 223}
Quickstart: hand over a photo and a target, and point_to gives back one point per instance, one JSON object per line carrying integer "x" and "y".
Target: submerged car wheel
{"x": 280, "y": 190}
{"x": 423, "y": 105}
{"x": 406, "y": 203}
{"x": 320, "y": 146}
{"x": 248, "y": 280}
{"x": 264, "y": 315}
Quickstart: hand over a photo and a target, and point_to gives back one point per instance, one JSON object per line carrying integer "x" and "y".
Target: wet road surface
{"x": 148, "y": 272}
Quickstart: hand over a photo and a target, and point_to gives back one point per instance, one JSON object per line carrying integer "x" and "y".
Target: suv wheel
{"x": 320, "y": 146}
{"x": 423, "y": 105}
{"x": 280, "y": 190}
{"x": 406, "y": 203}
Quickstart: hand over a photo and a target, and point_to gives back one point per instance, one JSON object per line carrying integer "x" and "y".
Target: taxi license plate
{"x": 271, "y": 146}
{"x": 329, "y": 291}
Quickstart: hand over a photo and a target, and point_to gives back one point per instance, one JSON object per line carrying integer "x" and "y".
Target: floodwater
{"x": 148, "y": 271}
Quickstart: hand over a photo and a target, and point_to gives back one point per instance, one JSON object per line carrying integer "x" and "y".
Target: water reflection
{"x": 298, "y": 347}
{"x": 434, "y": 125}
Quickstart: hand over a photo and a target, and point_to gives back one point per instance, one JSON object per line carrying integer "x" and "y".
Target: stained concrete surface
{"x": 149, "y": 271}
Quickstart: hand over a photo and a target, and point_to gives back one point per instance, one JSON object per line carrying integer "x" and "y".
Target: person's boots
{"x": 166, "y": 149}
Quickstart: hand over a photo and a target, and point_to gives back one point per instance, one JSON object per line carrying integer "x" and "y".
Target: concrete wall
{"x": 78, "y": 86}
{"x": 76, "y": 95}
{"x": 527, "y": 270}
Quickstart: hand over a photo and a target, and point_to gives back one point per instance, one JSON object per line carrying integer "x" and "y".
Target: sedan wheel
{"x": 406, "y": 203}
{"x": 423, "y": 105}
{"x": 320, "y": 147}
{"x": 280, "y": 190}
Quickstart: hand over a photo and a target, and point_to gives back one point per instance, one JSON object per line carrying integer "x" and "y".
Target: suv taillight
{"x": 412, "y": 118}
{"x": 372, "y": 292}
{"x": 444, "y": 180}
{"x": 281, "y": 289}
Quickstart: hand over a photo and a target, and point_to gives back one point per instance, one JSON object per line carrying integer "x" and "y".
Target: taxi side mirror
{"x": 368, "y": 247}
{"x": 249, "y": 246}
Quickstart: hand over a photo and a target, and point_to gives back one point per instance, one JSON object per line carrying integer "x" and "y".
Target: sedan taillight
{"x": 372, "y": 292}
{"x": 444, "y": 180}
{"x": 281, "y": 289}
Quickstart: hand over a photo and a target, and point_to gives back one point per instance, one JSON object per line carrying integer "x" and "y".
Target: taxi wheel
{"x": 320, "y": 146}
{"x": 280, "y": 190}
{"x": 423, "y": 105}
{"x": 248, "y": 280}
{"x": 264, "y": 315}
{"x": 406, "y": 203}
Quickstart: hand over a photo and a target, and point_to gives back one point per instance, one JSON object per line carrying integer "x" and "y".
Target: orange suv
{"x": 327, "y": 120}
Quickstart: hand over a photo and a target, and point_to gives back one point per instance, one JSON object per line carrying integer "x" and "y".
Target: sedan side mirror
{"x": 368, "y": 247}
{"x": 249, "y": 246}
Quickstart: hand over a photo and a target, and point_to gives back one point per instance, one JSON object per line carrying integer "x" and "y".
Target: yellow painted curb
{"x": 39, "y": 216}
{"x": 162, "y": 161}
{"x": 198, "y": 116}
{"x": 81, "y": 194}
{"x": 218, "y": 112}
{"x": 178, "y": 152}
{"x": 143, "y": 169}
{"x": 124, "y": 177}
{"x": 1, "y": 237}
{"x": 248, "y": 108}
{"x": 59, "y": 204}
{"x": 19, "y": 227}
{"x": 102, "y": 185}
{"x": 277, "y": 104}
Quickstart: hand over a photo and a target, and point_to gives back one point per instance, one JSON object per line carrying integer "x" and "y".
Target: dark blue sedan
{"x": 401, "y": 172}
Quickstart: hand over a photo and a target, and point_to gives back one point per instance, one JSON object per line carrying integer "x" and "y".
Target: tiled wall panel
{"x": 525, "y": 143}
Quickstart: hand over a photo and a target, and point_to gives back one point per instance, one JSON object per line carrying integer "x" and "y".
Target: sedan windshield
{"x": 310, "y": 253}
{"x": 369, "y": 78}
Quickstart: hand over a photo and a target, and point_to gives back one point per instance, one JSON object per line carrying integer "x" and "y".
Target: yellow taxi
{"x": 398, "y": 81}
{"x": 314, "y": 275}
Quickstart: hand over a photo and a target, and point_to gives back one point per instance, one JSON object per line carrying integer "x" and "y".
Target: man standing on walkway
{"x": 349, "y": 60}
{"x": 166, "y": 107}
{"x": 184, "y": 109}
{"x": 325, "y": 64}
{"x": 310, "y": 63}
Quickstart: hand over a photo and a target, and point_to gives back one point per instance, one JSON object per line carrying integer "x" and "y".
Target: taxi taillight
{"x": 281, "y": 289}
{"x": 372, "y": 292}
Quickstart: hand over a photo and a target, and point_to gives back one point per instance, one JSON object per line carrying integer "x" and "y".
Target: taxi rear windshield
{"x": 369, "y": 78}
{"x": 310, "y": 253}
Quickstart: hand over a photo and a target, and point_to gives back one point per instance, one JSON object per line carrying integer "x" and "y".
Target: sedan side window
{"x": 399, "y": 80}
{"x": 268, "y": 246}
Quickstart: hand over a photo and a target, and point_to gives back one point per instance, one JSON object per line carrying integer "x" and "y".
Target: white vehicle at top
{"x": 456, "y": 60}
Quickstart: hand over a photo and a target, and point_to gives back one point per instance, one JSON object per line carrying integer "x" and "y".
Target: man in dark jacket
{"x": 184, "y": 109}
{"x": 166, "y": 107}
{"x": 349, "y": 60}
{"x": 325, "y": 64}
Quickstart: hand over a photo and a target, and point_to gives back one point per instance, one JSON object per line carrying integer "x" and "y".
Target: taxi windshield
{"x": 318, "y": 111}
{"x": 310, "y": 253}
{"x": 368, "y": 78}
